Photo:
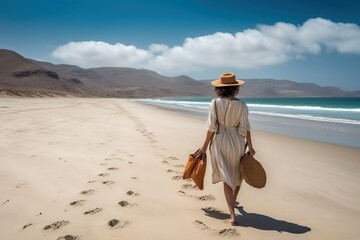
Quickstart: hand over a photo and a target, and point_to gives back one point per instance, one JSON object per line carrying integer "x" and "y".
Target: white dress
{"x": 228, "y": 145}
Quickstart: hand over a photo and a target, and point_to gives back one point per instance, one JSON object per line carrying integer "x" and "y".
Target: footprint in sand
{"x": 173, "y": 171}
{"x": 5, "y": 202}
{"x": 92, "y": 181}
{"x": 177, "y": 177}
{"x": 116, "y": 159}
{"x": 78, "y": 203}
{"x": 103, "y": 164}
{"x": 88, "y": 192}
{"x": 165, "y": 162}
{"x": 93, "y": 211}
{"x": 126, "y": 204}
{"x": 27, "y": 225}
{"x": 209, "y": 197}
{"x": 103, "y": 174}
{"x": 131, "y": 193}
{"x": 201, "y": 225}
{"x": 210, "y": 209}
{"x": 108, "y": 182}
{"x": 134, "y": 178}
{"x": 113, "y": 168}
{"x": 179, "y": 165}
{"x": 173, "y": 158}
{"x": 69, "y": 237}
{"x": 226, "y": 232}
{"x": 56, "y": 225}
{"x": 206, "y": 197}
{"x": 189, "y": 186}
{"x": 113, "y": 222}
{"x": 20, "y": 185}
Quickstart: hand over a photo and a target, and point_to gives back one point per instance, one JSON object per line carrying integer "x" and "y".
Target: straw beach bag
{"x": 195, "y": 169}
{"x": 252, "y": 171}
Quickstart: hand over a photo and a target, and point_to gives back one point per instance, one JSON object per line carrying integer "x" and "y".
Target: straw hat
{"x": 227, "y": 79}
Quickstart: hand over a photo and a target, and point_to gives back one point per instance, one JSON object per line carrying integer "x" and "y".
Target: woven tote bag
{"x": 252, "y": 171}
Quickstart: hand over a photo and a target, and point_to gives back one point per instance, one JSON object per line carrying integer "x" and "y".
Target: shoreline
{"x": 323, "y": 132}
{"x": 116, "y": 150}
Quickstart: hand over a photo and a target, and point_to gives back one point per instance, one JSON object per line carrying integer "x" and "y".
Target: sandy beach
{"x": 111, "y": 169}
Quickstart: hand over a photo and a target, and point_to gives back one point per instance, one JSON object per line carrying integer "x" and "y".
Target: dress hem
{"x": 215, "y": 182}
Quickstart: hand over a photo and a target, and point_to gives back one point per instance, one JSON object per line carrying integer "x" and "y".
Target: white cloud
{"x": 94, "y": 54}
{"x": 158, "y": 48}
{"x": 253, "y": 48}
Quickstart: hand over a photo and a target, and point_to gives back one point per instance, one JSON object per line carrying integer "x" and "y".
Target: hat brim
{"x": 217, "y": 83}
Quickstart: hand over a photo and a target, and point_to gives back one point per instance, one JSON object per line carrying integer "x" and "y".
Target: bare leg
{"x": 236, "y": 192}
{"x": 229, "y": 195}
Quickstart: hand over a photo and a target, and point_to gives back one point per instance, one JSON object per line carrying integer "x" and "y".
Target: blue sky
{"x": 305, "y": 41}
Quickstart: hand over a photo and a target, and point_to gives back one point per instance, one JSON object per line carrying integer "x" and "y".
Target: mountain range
{"x": 26, "y": 77}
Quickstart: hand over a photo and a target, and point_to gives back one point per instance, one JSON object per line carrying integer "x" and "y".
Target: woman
{"x": 228, "y": 130}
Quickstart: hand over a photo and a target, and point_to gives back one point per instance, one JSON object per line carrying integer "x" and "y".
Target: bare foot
{"x": 232, "y": 220}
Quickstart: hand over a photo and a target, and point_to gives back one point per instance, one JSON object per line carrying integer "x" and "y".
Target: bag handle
{"x": 246, "y": 145}
{"x": 201, "y": 157}
{"x": 217, "y": 120}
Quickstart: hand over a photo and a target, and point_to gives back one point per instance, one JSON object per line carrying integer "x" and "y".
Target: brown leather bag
{"x": 195, "y": 169}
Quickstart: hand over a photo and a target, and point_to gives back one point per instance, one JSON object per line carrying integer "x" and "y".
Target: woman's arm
{"x": 249, "y": 142}
{"x": 202, "y": 150}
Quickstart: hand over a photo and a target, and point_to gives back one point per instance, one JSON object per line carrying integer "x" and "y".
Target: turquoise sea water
{"x": 333, "y": 120}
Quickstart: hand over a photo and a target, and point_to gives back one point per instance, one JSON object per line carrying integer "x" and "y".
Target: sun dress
{"x": 228, "y": 145}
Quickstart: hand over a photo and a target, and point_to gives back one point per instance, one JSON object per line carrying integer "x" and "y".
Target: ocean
{"x": 330, "y": 120}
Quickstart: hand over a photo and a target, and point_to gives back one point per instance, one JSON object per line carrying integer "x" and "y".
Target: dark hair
{"x": 230, "y": 91}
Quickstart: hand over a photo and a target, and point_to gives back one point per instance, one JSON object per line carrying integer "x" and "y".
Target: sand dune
{"x": 75, "y": 168}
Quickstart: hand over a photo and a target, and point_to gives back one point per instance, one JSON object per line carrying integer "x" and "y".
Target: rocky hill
{"x": 130, "y": 82}
{"x": 26, "y": 77}
{"x": 20, "y": 76}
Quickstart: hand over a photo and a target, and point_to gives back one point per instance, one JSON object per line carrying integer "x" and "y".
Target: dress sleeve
{"x": 244, "y": 125}
{"x": 211, "y": 121}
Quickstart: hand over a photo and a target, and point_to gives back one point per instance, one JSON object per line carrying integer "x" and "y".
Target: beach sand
{"x": 68, "y": 166}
